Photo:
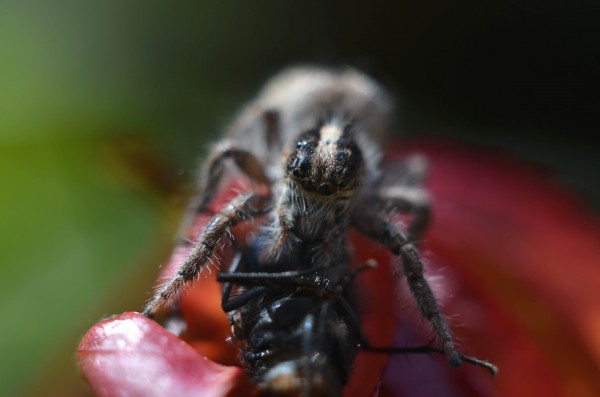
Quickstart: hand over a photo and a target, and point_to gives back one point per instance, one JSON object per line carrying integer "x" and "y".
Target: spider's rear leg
{"x": 383, "y": 231}
{"x": 401, "y": 191}
{"x": 214, "y": 167}
{"x": 272, "y": 122}
{"x": 242, "y": 208}
{"x": 411, "y": 172}
{"x": 245, "y": 160}
{"x": 408, "y": 199}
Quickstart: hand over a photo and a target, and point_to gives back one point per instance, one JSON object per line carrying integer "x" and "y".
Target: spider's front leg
{"x": 380, "y": 229}
{"x": 242, "y": 208}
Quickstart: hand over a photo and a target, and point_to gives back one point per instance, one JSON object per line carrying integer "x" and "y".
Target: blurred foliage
{"x": 103, "y": 104}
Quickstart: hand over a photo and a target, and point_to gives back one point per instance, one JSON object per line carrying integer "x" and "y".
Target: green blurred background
{"x": 106, "y": 107}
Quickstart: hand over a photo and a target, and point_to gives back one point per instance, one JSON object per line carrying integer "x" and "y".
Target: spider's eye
{"x": 302, "y": 168}
{"x": 300, "y": 159}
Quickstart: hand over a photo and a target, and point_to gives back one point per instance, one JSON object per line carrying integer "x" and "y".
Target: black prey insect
{"x": 294, "y": 329}
{"x": 298, "y": 330}
{"x": 310, "y": 143}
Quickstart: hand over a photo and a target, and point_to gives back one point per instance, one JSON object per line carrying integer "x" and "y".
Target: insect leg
{"x": 293, "y": 276}
{"x": 228, "y": 286}
{"x": 229, "y": 304}
{"x": 240, "y": 209}
{"x": 427, "y": 349}
{"x": 383, "y": 231}
{"x": 247, "y": 162}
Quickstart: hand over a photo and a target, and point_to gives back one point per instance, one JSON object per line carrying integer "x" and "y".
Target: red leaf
{"x": 519, "y": 258}
{"x": 134, "y": 356}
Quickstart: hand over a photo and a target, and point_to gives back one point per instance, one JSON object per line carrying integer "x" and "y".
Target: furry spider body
{"x": 310, "y": 144}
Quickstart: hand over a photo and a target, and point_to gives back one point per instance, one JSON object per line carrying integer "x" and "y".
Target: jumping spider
{"x": 310, "y": 144}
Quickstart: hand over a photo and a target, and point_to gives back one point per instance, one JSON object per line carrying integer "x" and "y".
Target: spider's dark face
{"x": 326, "y": 161}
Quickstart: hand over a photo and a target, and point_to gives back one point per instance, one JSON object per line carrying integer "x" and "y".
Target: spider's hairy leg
{"x": 383, "y": 231}
{"x": 400, "y": 190}
{"x": 245, "y": 160}
{"x": 411, "y": 172}
{"x": 408, "y": 199}
{"x": 242, "y": 208}
{"x": 272, "y": 129}
{"x": 214, "y": 167}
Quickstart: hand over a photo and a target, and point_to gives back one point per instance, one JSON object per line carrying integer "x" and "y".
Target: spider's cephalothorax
{"x": 326, "y": 163}
{"x": 327, "y": 127}
{"x": 324, "y": 171}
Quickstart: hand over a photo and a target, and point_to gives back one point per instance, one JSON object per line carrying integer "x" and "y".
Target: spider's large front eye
{"x": 301, "y": 168}
{"x": 300, "y": 160}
